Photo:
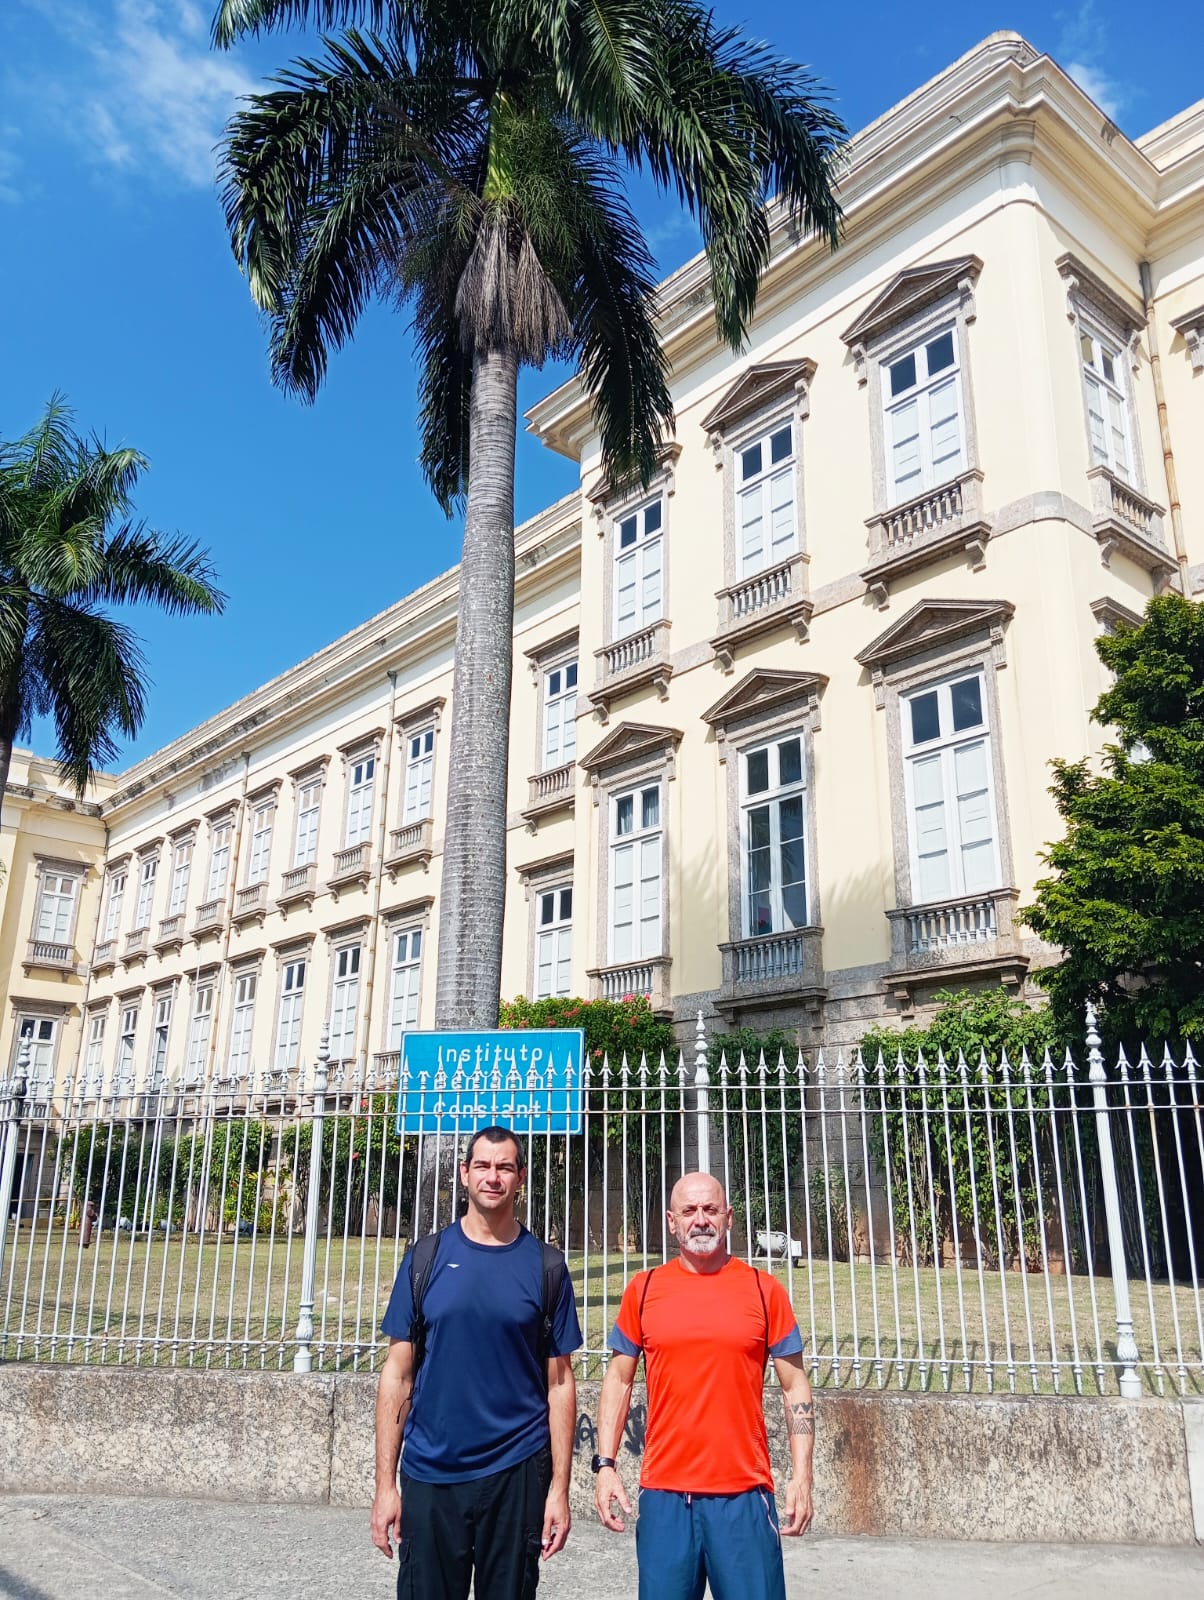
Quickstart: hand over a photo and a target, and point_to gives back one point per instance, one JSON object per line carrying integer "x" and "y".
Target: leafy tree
{"x": 1125, "y": 901}
{"x": 69, "y": 544}
{"x": 466, "y": 157}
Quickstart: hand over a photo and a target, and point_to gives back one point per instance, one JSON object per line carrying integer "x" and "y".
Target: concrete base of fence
{"x": 914, "y": 1466}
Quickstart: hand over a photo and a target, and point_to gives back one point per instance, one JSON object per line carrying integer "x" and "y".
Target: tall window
{"x": 635, "y": 875}
{"x": 261, "y": 842}
{"x": 1107, "y": 412}
{"x": 309, "y": 806}
{"x": 181, "y": 869}
{"x": 123, "y": 1075}
{"x": 361, "y": 779}
{"x": 923, "y": 410}
{"x": 344, "y": 1003}
{"x": 946, "y": 742}
{"x": 116, "y": 900}
{"x": 560, "y": 714}
{"x": 95, "y": 1053}
{"x": 288, "y": 1025}
{"x": 159, "y": 1041}
{"x": 219, "y": 860}
{"x": 420, "y": 768}
{"x": 765, "y": 498}
{"x": 406, "y": 983}
{"x": 198, "y": 1032}
{"x": 40, "y": 1032}
{"x": 554, "y": 941}
{"x": 242, "y": 1019}
{"x": 772, "y": 829}
{"x": 147, "y": 873}
{"x": 639, "y": 569}
{"x": 56, "y": 908}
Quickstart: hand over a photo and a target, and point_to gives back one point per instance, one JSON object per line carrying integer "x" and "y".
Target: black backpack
{"x": 422, "y": 1264}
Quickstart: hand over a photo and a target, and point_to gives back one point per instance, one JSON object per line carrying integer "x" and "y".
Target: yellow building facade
{"x": 781, "y": 724}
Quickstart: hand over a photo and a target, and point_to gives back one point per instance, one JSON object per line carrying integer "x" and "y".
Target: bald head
{"x": 699, "y": 1218}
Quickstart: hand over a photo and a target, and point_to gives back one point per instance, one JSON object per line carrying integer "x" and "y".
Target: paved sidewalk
{"x": 99, "y": 1548}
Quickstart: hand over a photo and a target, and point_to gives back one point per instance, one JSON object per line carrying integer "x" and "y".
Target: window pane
{"x": 626, "y": 532}
{"x": 554, "y": 682}
{"x": 1108, "y": 365}
{"x": 758, "y": 828}
{"x": 967, "y": 703}
{"x": 940, "y": 353}
{"x": 652, "y": 517}
{"x": 547, "y": 909}
{"x": 760, "y": 914}
{"x": 624, "y": 814}
{"x": 566, "y": 904}
{"x": 780, "y": 446}
{"x": 903, "y": 374}
{"x": 1087, "y": 346}
{"x": 750, "y": 462}
{"x": 794, "y": 905}
{"x": 758, "y": 771}
{"x": 651, "y": 808}
{"x": 925, "y": 718}
{"x": 790, "y": 761}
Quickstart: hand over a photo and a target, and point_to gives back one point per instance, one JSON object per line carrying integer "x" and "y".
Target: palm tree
{"x": 466, "y": 157}
{"x": 68, "y": 545}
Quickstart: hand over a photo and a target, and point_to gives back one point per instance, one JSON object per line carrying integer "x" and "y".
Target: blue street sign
{"x": 525, "y": 1079}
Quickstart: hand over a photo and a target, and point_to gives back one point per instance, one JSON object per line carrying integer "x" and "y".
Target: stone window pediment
{"x": 934, "y": 625}
{"x": 763, "y": 694}
{"x": 430, "y": 711}
{"x": 607, "y": 497}
{"x": 631, "y": 742}
{"x": 912, "y": 291}
{"x": 1191, "y": 327}
{"x": 1082, "y": 284}
{"x": 758, "y": 389}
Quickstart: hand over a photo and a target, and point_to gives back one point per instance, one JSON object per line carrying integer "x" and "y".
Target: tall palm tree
{"x": 466, "y": 157}
{"x": 69, "y": 544}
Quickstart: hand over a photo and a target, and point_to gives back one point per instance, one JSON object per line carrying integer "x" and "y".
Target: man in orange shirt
{"x": 706, "y": 1324}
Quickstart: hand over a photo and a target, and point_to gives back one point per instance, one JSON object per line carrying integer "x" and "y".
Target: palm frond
{"x": 445, "y": 393}
{"x": 136, "y": 563}
{"x": 236, "y": 19}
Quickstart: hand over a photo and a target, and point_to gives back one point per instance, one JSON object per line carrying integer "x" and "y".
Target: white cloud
{"x": 1082, "y": 46}
{"x": 136, "y": 85}
{"x": 1108, "y": 95}
{"x": 10, "y": 163}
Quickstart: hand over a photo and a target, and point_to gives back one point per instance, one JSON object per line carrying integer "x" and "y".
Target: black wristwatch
{"x": 599, "y": 1462}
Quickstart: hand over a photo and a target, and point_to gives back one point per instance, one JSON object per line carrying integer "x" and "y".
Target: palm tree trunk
{"x": 473, "y": 891}
{"x": 6, "y": 757}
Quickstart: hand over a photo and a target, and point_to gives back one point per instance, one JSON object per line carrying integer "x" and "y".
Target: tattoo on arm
{"x": 800, "y": 1418}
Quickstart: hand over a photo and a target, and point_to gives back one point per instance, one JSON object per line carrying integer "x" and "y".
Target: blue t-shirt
{"x": 480, "y": 1404}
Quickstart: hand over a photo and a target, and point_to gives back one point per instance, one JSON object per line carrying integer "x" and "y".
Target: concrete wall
{"x": 919, "y": 1466}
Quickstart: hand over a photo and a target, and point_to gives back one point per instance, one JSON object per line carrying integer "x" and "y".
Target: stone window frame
{"x": 151, "y": 850}
{"x": 207, "y": 978}
{"x": 420, "y": 719}
{"x": 225, "y": 815}
{"x": 416, "y": 915}
{"x": 309, "y": 772}
{"x": 795, "y": 709}
{"x": 610, "y": 506}
{"x": 1092, "y": 307}
{"x": 632, "y": 757}
{"x": 245, "y": 965}
{"x": 65, "y": 869}
{"x": 116, "y": 865}
{"x": 163, "y": 989}
{"x": 94, "y": 1010}
{"x": 542, "y": 659}
{"x": 735, "y": 423}
{"x": 294, "y": 947}
{"x": 185, "y": 835}
{"x": 537, "y": 877}
{"x": 343, "y": 935}
{"x": 264, "y": 798}
{"x": 979, "y": 646}
{"x": 365, "y": 746}
{"x": 27, "y": 1010}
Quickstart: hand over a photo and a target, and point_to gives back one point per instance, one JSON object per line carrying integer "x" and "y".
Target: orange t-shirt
{"x": 705, "y": 1337}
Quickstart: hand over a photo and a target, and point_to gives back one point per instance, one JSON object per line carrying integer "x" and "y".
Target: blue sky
{"x": 117, "y": 287}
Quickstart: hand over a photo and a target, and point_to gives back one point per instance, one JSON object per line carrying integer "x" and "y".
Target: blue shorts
{"x": 731, "y": 1541}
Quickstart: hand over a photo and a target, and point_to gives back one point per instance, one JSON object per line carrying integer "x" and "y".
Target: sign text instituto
{"x": 529, "y": 1080}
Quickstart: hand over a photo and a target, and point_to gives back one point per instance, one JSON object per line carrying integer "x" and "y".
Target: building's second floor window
{"x": 261, "y": 843}
{"x": 181, "y": 870}
{"x": 56, "y": 908}
{"x": 242, "y": 1022}
{"x": 1107, "y": 411}
{"x": 772, "y": 827}
{"x": 635, "y": 875}
{"x": 309, "y": 806}
{"x": 147, "y": 873}
{"x": 639, "y": 569}
{"x": 419, "y": 774}
{"x": 554, "y": 941}
{"x": 344, "y": 1004}
{"x": 950, "y": 795}
{"x": 116, "y": 900}
{"x": 923, "y": 416}
{"x": 765, "y": 498}
{"x": 560, "y": 714}
{"x": 160, "y": 1037}
{"x": 219, "y": 861}
{"x": 94, "y": 1053}
{"x": 127, "y": 1038}
{"x": 360, "y": 781}
{"x": 40, "y": 1034}
{"x": 288, "y": 1026}
{"x": 406, "y": 983}
{"x": 198, "y": 1032}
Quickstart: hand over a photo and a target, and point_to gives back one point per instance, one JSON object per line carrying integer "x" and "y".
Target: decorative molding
{"x": 1082, "y": 284}
{"x": 361, "y": 744}
{"x": 226, "y": 812}
{"x": 762, "y": 694}
{"x": 292, "y": 945}
{"x": 430, "y": 712}
{"x": 533, "y": 874}
{"x": 150, "y": 847}
{"x": 420, "y": 906}
{"x": 315, "y": 767}
{"x": 345, "y": 929}
{"x": 631, "y": 742}
{"x": 909, "y": 292}
{"x": 561, "y": 643}
{"x": 932, "y": 626}
{"x": 1112, "y": 616}
{"x": 610, "y": 500}
{"x": 758, "y": 389}
{"x": 1191, "y": 326}
{"x": 265, "y": 791}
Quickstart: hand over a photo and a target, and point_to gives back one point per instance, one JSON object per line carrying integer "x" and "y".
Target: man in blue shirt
{"x": 488, "y": 1421}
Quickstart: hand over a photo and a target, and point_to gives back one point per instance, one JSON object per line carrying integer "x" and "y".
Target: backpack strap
{"x": 555, "y": 1270}
{"x": 422, "y": 1264}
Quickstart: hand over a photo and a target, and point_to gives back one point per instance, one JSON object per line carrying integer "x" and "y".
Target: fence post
{"x": 702, "y": 1096}
{"x": 1126, "y": 1344}
{"x": 303, "y": 1361}
{"x": 12, "y": 1107}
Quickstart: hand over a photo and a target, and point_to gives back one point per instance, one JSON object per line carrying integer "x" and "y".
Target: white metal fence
{"x": 947, "y": 1225}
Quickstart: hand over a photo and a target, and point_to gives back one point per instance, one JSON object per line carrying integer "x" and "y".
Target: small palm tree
{"x": 69, "y": 545}
{"x": 466, "y": 158}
